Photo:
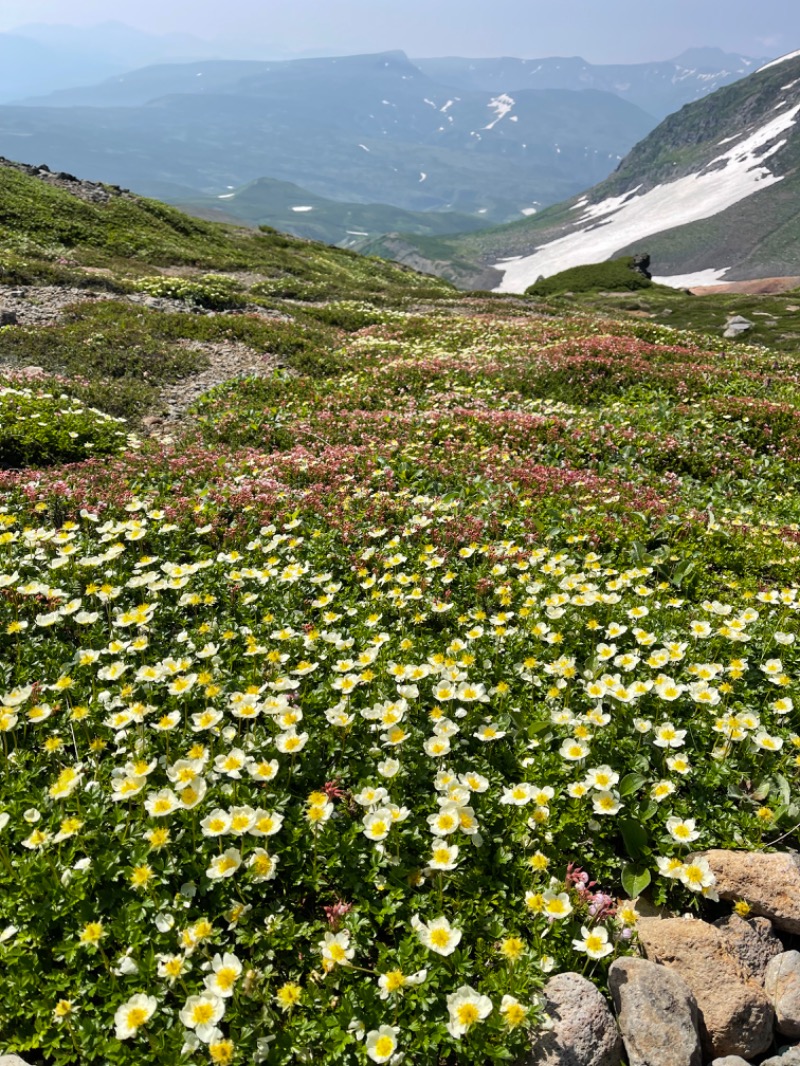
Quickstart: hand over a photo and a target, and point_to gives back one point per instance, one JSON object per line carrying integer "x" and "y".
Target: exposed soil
{"x": 756, "y": 287}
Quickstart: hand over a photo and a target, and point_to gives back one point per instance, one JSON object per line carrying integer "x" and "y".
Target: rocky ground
{"x": 45, "y": 305}
{"x": 228, "y": 359}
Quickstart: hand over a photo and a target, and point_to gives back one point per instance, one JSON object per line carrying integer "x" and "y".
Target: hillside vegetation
{"x": 390, "y": 681}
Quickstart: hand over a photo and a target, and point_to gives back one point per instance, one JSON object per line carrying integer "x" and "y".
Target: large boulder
{"x": 752, "y": 941}
{"x": 736, "y": 1017}
{"x": 769, "y": 883}
{"x": 782, "y": 985}
{"x": 583, "y": 1031}
{"x": 656, "y": 1013}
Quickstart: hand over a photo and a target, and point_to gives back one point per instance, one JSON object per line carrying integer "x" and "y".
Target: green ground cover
{"x": 316, "y": 717}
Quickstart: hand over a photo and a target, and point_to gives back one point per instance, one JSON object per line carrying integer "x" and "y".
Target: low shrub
{"x": 617, "y": 275}
{"x": 41, "y": 429}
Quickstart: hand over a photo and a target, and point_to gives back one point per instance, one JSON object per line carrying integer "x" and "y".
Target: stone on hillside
{"x": 752, "y": 941}
{"x": 12, "y": 1060}
{"x": 584, "y": 1032}
{"x": 782, "y": 985}
{"x": 730, "y": 1060}
{"x": 737, "y": 324}
{"x": 786, "y": 1056}
{"x": 657, "y": 1014}
{"x": 8, "y": 318}
{"x": 736, "y": 1017}
{"x": 769, "y": 883}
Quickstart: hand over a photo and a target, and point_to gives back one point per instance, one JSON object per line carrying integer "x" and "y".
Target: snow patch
{"x": 357, "y": 233}
{"x": 528, "y": 211}
{"x": 501, "y": 105}
{"x": 688, "y": 281}
{"x": 422, "y": 175}
{"x": 620, "y": 220}
{"x": 226, "y": 196}
{"x": 303, "y": 207}
{"x": 777, "y": 62}
{"x": 364, "y": 147}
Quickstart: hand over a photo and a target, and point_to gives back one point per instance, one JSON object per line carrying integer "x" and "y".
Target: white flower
{"x": 517, "y": 795}
{"x": 444, "y": 856}
{"x": 226, "y": 971}
{"x": 766, "y": 742}
{"x": 682, "y": 829}
{"x": 594, "y": 943}
{"x": 382, "y": 1043}
{"x": 377, "y": 824}
{"x": 601, "y": 778}
{"x": 606, "y": 802}
{"x": 336, "y": 950}
{"x": 437, "y": 935}
{"x": 202, "y": 1013}
{"x": 131, "y": 1016}
{"x": 466, "y": 1007}
{"x": 224, "y": 865}
{"x": 556, "y": 904}
{"x": 697, "y": 876}
{"x": 446, "y": 820}
{"x": 667, "y": 736}
{"x": 573, "y": 750}
{"x": 216, "y": 824}
{"x": 290, "y": 742}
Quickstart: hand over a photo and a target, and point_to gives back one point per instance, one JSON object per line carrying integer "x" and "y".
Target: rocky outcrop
{"x": 769, "y": 883}
{"x": 92, "y": 191}
{"x": 657, "y": 1014}
{"x": 782, "y": 985}
{"x": 583, "y": 1032}
{"x": 752, "y": 941}
{"x": 736, "y": 1017}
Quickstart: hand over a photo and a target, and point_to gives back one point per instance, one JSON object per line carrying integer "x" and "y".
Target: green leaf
{"x": 635, "y": 879}
{"x": 634, "y": 836}
{"x": 630, "y": 783}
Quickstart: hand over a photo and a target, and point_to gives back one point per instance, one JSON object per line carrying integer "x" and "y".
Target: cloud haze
{"x": 599, "y": 30}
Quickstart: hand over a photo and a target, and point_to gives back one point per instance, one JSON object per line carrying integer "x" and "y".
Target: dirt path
{"x": 228, "y": 359}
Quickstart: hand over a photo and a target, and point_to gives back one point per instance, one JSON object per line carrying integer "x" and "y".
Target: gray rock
{"x": 782, "y": 985}
{"x": 737, "y": 324}
{"x": 8, "y": 318}
{"x": 584, "y": 1032}
{"x": 730, "y": 1060}
{"x": 736, "y": 1016}
{"x": 770, "y": 883}
{"x": 787, "y": 1056}
{"x": 752, "y": 941}
{"x": 657, "y": 1014}
{"x": 12, "y": 1060}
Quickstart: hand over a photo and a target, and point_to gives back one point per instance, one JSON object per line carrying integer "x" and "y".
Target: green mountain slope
{"x": 48, "y": 231}
{"x": 291, "y": 209}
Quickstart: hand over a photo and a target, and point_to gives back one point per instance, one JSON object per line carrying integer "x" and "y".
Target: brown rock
{"x": 769, "y": 883}
{"x": 584, "y": 1032}
{"x": 752, "y": 941}
{"x": 656, "y": 1013}
{"x": 736, "y": 1017}
{"x": 782, "y": 985}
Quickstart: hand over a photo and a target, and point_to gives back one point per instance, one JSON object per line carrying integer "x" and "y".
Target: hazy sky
{"x": 599, "y": 30}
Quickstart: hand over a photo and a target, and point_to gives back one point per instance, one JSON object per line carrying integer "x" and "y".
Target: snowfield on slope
{"x": 618, "y": 221}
